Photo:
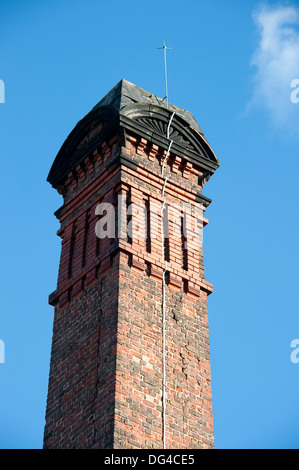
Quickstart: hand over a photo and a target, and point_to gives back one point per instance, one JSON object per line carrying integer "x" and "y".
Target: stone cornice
{"x": 145, "y": 121}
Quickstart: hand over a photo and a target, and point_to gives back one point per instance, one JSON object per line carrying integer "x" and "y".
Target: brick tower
{"x": 130, "y": 363}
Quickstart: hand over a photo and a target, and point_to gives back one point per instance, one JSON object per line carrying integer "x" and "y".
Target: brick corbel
{"x": 71, "y": 180}
{"x": 131, "y": 143}
{"x": 80, "y": 173}
{"x": 141, "y": 145}
{"x": 106, "y": 150}
{"x": 64, "y": 299}
{"x": 138, "y": 263}
{"x": 61, "y": 189}
{"x": 193, "y": 289}
{"x": 78, "y": 288}
{"x": 156, "y": 271}
{"x": 154, "y": 150}
{"x": 53, "y": 298}
{"x": 187, "y": 169}
{"x": 175, "y": 281}
{"x": 106, "y": 264}
{"x": 91, "y": 277}
{"x": 98, "y": 158}
{"x": 176, "y": 164}
{"x": 89, "y": 164}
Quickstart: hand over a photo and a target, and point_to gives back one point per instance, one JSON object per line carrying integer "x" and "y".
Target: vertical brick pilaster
{"x": 138, "y": 221}
{"x": 78, "y": 250}
{"x": 66, "y": 253}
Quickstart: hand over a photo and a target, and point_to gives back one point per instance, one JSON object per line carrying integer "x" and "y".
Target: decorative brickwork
{"x": 105, "y": 384}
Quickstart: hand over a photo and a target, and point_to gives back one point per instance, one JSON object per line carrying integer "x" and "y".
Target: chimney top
{"x": 125, "y": 93}
{"x": 130, "y": 107}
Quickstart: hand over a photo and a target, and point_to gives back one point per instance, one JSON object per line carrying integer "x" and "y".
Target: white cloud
{"x": 276, "y": 62}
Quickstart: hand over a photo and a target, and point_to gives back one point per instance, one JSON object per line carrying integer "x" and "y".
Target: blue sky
{"x": 231, "y": 65}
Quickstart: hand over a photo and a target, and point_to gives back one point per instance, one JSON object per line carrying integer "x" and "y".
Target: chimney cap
{"x": 125, "y": 93}
{"x": 129, "y": 106}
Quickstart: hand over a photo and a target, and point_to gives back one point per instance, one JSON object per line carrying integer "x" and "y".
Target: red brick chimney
{"x": 130, "y": 363}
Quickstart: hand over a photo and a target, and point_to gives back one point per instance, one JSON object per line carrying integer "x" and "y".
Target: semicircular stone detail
{"x": 160, "y": 127}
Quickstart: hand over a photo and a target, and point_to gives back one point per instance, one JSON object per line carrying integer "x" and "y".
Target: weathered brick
{"x": 105, "y": 384}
